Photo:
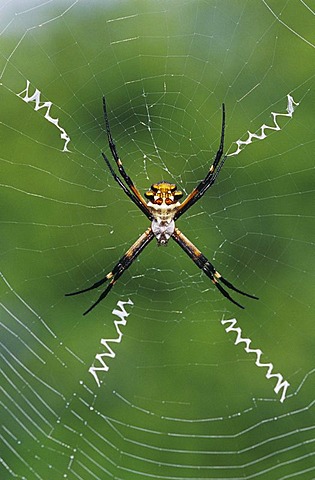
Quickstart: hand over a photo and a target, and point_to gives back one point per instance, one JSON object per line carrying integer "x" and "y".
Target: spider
{"x": 163, "y": 208}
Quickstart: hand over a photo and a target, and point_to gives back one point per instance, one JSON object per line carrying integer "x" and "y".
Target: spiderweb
{"x": 165, "y": 378}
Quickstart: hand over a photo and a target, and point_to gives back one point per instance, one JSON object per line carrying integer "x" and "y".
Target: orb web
{"x": 180, "y": 397}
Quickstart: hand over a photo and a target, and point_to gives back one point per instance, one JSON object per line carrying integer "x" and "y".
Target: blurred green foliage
{"x": 165, "y": 68}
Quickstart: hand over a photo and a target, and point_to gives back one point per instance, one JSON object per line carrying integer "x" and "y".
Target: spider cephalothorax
{"x": 163, "y": 192}
{"x": 163, "y": 203}
{"x": 163, "y": 209}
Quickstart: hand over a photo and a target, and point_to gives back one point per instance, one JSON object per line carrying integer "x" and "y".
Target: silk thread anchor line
{"x": 281, "y": 383}
{"x": 100, "y": 357}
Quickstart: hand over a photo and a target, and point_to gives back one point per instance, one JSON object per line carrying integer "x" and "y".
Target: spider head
{"x": 163, "y": 192}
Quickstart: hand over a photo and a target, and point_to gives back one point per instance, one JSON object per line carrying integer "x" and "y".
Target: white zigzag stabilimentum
{"x": 290, "y": 109}
{"x": 281, "y": 383}
{"x": 24, "y": 95}
{"x": 122, "y": 315}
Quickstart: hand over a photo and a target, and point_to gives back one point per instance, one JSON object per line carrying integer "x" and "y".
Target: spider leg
{"x": 135, "y": 200}
{"x": 122, "y": 265}
{"x": 203, "y": 263}
{"x": 119, "y": 164}
{"x": 209, "y": 179}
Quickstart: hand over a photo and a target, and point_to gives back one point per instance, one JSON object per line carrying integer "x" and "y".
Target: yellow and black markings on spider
{"x": 162, "y": 207}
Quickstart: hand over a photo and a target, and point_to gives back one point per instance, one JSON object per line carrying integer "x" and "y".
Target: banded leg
{"x": 124, "y": 263}
{"x": 135, "y": 199}
{"x": 209, "y": 179}
{"x": 119, "y": 164}
{"x": 203, "y": 263}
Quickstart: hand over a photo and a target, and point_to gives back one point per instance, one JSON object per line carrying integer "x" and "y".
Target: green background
{"x": 180, "y": 400}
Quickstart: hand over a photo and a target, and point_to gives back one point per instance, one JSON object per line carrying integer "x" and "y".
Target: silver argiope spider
{"x": 162, "y": 209}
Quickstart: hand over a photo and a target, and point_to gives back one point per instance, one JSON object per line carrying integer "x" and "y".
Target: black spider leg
{"x": 203, "y": 263}
{"x": 209, "y": 179}
{"x": 122, "y": 265}
{"x": 119, "y": 164}
{"x": 125, "y": 189}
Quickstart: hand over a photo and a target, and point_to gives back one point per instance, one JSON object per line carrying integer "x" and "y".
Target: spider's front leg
{"x": 124, "y": 263}
{"x": 203, "y": 263}
{"x": 119, "y": 164}
{"x": 209, "y": 179}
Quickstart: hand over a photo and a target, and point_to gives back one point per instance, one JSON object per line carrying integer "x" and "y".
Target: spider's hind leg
{"x": 216, "y": 277}
{"x": 229, "y": 285}
{"x": 122, "y": 265}
{"x": 203, "y": 263}
{"x": 97, "y": 284}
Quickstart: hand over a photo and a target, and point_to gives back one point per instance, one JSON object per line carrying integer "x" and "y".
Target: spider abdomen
{"x": 163, "y": 230}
